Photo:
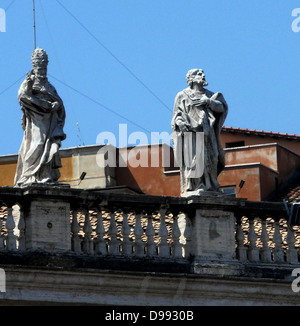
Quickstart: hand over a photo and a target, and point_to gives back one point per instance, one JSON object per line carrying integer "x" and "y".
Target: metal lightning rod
{"x": 34, "y": 27}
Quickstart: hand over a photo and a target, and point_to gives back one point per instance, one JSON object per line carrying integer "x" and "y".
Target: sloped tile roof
{"x": 293, "y": 196}
{"x": 260, "y": 133}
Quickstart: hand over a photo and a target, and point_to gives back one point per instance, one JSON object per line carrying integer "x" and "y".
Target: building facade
{"x": 267, "y": 163}
{"x": 122, "y": 235}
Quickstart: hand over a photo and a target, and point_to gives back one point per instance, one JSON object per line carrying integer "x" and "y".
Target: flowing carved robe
{"x": 39, "y": 159}
{"x": 189, "y": 148}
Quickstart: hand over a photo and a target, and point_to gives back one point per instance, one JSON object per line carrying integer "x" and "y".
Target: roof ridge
{"x": 246, "y": 130}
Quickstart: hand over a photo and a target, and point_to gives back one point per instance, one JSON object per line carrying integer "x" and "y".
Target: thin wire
{"x": 114, "y": 56}
{"x": 99, "y": 104}
{"x": 79, "y": 135}
{"x": 7, "y": 88}
{"x": 14, "y": 83}
{"x": 10, "y": 5}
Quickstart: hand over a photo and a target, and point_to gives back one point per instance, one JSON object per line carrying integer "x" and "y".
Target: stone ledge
{"x": 215, "y": 269}
{"x": 71, "y": 261}
{"x": 234, "y": 269}
{"x": 106, "y": 287}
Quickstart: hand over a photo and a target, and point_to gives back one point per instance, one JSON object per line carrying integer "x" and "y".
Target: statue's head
{"x": 196, "y": 76}
{"x": 40, "y": 62}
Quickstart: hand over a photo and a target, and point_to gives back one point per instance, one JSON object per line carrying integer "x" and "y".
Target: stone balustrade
{"x": 263, "y": 235}
{"x": 128, "y": 233}
{"x": 100, "y": 224}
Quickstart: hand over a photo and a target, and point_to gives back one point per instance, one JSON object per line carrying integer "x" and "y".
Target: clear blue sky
{"x": 131, "y": 56}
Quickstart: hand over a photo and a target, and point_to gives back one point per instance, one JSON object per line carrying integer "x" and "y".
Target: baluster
{"x": 138, "y": 232}
{"x": 187, "y": 247}
{"x": 21, "y": 227}
{"x": 1, "y": 236}
{"x": 163, "y": 247}
{"x": 150, "y": 233}
{"x": 113, "y": 246}
{"x": 265, "y": 251}
{"x": 126, "y": 244}
{"x": 87, "y": 229}
{"x": 10, "y": 225}
{"x": 240, "y": 238}
{"x": 100, "y": 245}
{"x": 176, "y": 245}
{"x": 75, "y": 228}
{"x": 278, "y": 253}
{"x": 253, "y": 251}
{"x": 292, "y": 252}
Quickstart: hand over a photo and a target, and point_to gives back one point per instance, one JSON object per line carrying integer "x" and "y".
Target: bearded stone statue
{"x": 198, "y": 118}
{"x": 43, "y": 122}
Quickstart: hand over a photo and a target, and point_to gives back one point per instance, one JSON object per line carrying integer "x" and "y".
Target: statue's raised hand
{"x": 55, "y": 106}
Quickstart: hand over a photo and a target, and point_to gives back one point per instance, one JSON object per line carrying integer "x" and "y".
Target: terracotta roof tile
{"x": 293, "y": 195}
{"x": 261, "y": 132}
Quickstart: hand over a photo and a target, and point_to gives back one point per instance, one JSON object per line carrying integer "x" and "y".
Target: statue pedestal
{"x": 211, "y": 227}
{"x": 213, "y": 242}
{"x": 214, "y": 235}
{"x": 48, "y": 225}
{"x": 202, "y": 193}
{"x": 47, "y": 217}
{"x": 45, "y": 185}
